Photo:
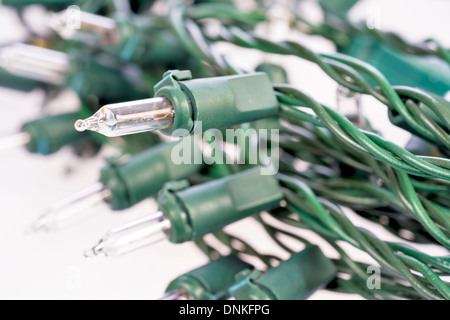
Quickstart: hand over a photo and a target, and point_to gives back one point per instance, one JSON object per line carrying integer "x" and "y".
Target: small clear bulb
{"x": 126, "y": 118}
{"x": 35, "y": 63}
{"x": 63, "y": 212}
{"x": 132, "y": 236}
{"x": 14, "y": 141}
{"x": 85, "y": 27}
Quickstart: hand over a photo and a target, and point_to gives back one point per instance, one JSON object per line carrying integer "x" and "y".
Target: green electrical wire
{"x": 351, "y": 73}
{"x": 391, "y": 288}
{"x": 336, "y": 222}
{"x": 360, "y": 140}
{"x": 362, "y": 193}
{"x": 363, "y": 196}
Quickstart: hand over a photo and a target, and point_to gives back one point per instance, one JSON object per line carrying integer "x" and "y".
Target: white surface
{"x": 51, "y": 266}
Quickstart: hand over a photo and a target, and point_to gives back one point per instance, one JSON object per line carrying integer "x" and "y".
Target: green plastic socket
{"x": 211, "y": 281}
{"x": 428, "y": 73}
{"x": 49, "y": 134}
{"x": 275, "y": 72}
{"x": 144, "y": 175}
{"x": 217, "y": 102}
{"x": 205, "y": 208}
{"x": 294, "y": 279}
{"x": 145, "y": 41}
{"x": 104, "y": 78}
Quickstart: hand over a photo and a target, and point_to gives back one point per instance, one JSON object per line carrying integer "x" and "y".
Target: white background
{"x": 51, "y": 266}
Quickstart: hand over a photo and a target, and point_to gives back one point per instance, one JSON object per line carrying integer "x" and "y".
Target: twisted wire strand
{"x": 359, "y": 140}
{"x": 390, "y": 287}
{"x": 347, "y": 131}
{"x": 312, "y": 134}
{"x": 357, "y": 76}
{"x": 363, "y": 194}
{"x": 360, "y": 195}
{"x": 315, "y": 212}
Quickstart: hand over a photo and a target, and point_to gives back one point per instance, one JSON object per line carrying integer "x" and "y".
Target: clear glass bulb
{"x": 35, "y": 63}
{"x": 84, "y": 26}
{"x": 17, "y": 140}
{"x": 132, "y": 236}
{"x": 63, "y": 212}
{"x": 121, "y": 119}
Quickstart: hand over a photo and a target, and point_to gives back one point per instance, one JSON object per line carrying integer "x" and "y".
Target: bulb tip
{"x": 95, "y": 251}
{"x": 81, "y": 125}
{"x": 89, "y": 253}
{"x": 37, "y": 226}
